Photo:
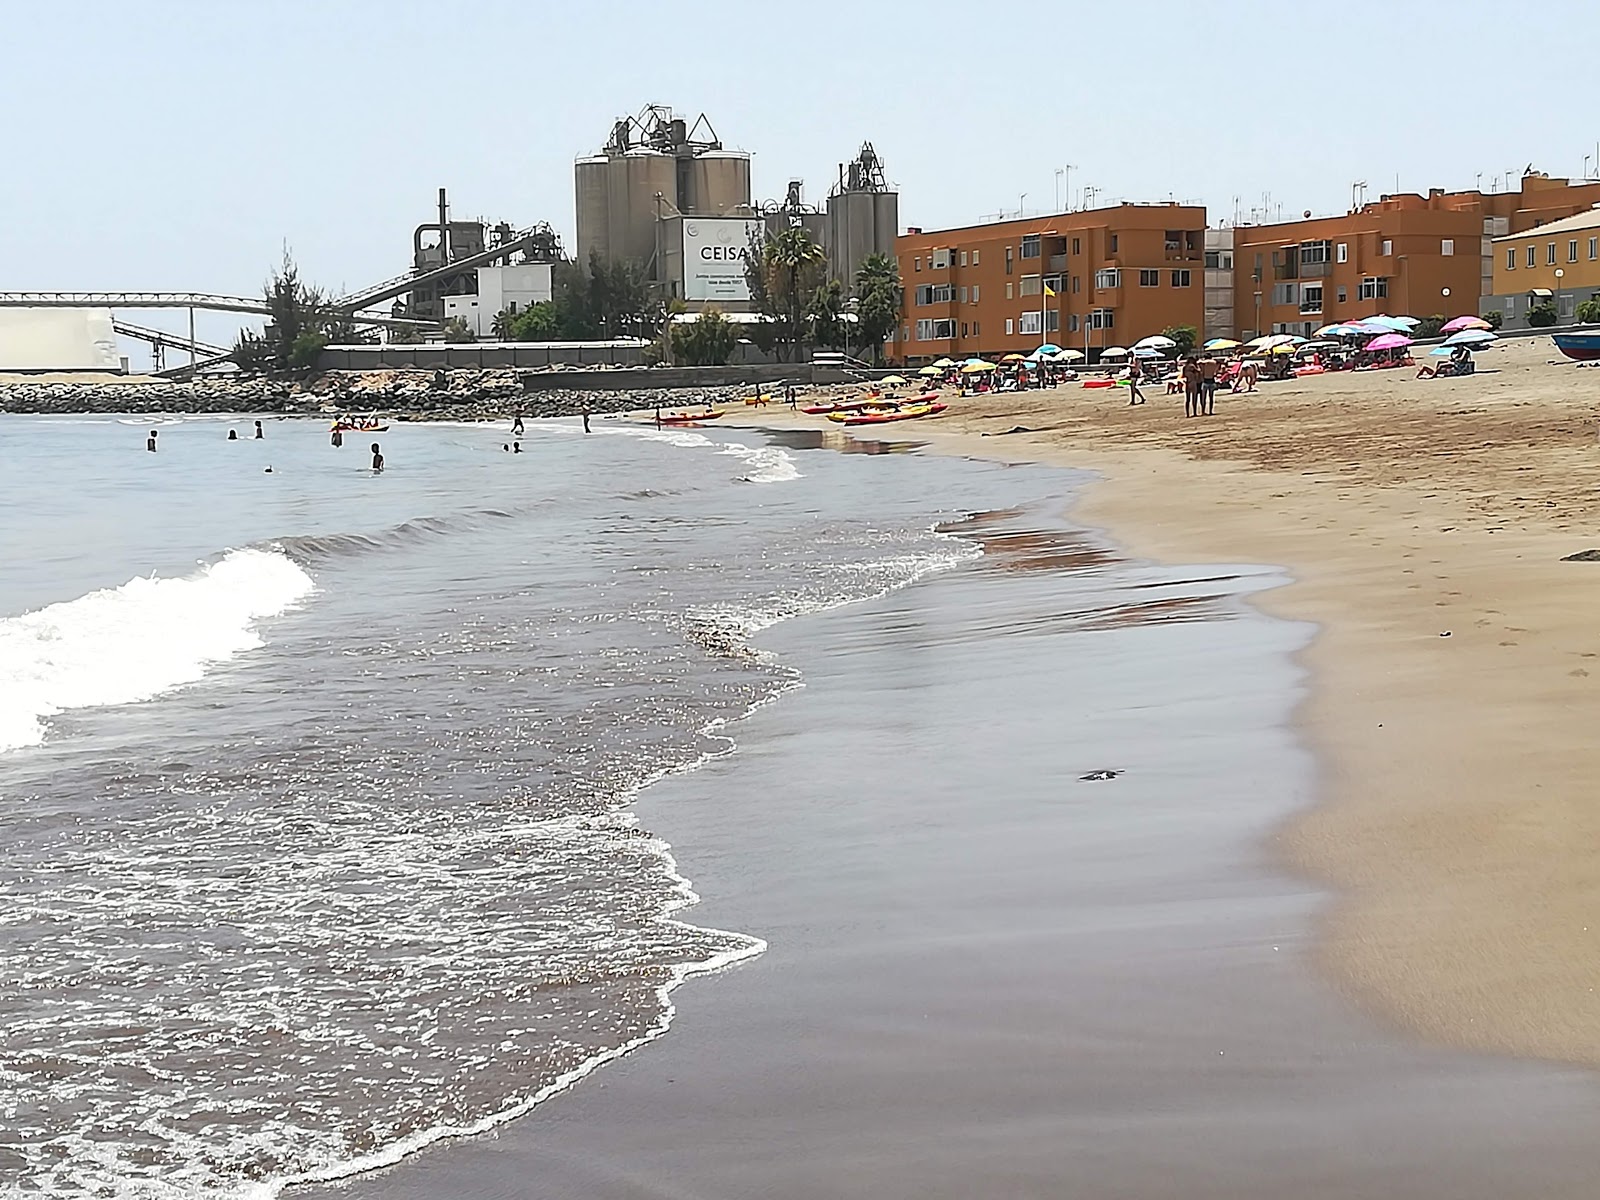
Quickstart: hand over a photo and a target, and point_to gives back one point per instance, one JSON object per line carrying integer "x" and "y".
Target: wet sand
{"x": 990, "y": 977}
{"x": 1457, "y": 823}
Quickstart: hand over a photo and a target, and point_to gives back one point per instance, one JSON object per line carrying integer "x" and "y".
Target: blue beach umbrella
{"x": 1392, "y": 324}
{"x": 1471, "y": 338}
{"x": 1048, "y": 348}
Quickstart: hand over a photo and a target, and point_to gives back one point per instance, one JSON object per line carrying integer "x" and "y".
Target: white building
{"x": 499, "y": 289}
{"x": 58, "y": 339}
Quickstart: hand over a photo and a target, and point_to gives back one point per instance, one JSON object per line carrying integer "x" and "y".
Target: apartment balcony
{"x": 1058, "y": 263}
{"x": 1105, "y": 297}
{"x": 1183, "y": 254}
{"x": 1290, "y": 270}
{"x": 1320, "y": 270}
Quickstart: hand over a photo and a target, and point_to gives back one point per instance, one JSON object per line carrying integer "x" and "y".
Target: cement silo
{"x": 863, "y": 215}
{"x": 654, "y": 167}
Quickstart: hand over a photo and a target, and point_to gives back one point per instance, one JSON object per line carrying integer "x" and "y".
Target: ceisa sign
{"x": 714, "y": 253}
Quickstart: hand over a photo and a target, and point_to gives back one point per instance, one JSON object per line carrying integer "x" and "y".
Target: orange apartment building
{"x": 1405, "y": 254}
{"x": 1117, "y": 274}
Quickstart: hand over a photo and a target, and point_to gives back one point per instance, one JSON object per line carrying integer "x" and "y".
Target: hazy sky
{"x": 178, "y": 144}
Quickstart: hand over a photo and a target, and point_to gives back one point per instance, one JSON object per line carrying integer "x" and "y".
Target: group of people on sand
{"x": 1198, "y": 377}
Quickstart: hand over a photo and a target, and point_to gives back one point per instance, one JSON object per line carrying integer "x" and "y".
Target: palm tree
{"x": 791, "y": 255}
{"x": 504, "y": 327}
{"x": 879, "y": 297}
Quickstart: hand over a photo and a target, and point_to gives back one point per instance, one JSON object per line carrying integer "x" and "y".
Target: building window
{"x": 1102, "y": 318}
{"x": 963, "y": 329}
{"x": 1572, "y": 250}
{"x": 1388, "y": 248}
{"x": 1028, "y": 323}
{"x": 1285, "y": 293}
{"x": 939, "y": 260}
{"x": 1447, "y": 245}
{"x": 1109, "y": 278}
{"x": 1511, "y": 306}
{"x": 1030, "y": 286}
{"x": 1052, "y": 321}
{"x": 939, "y": 330}
{"x": 1373, "y": 289}
{"x": 1533, "y": 256}
{"x": 932, "y": 293}
{"x": 1147, "y": 279}
{"x": 1008, "y": 260}
{"x": 1343, "y": 252}
{"x": 905, "y": 333}
{"x": 1113, "y": 243}
{"x": 1052, "y": 283}
{"x": 1072, "y": 322}
{"x": 1219, "y": 260}
{"x": 1311, "y": 298}
{"x": 975, "y": 330}
{"x": 975, "y": 261}
{"x": 1550, "y": 255}
{"x": 916, "y": 264}
{"x": 1180, "y": 278}
{"x": 1077, "y": 245}
{"x": 1316, "y": 252}
{"x": 963, "y": 258}
{"x": 1594, "y": 249}
{"x": 1077, "y": 283}
{"x": 1342, "y": 295}
{"x": 962, "y": 294}
{"x": 1008, "y": 326}
{"x": 1010, "y": 289}
{"x": 1030, "y": 245}
{"x": 1511, "y": 258}
{"x": 974, "y": 293}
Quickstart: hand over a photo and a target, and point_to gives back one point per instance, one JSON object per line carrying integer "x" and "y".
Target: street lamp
{"x": 1560, "y": 274}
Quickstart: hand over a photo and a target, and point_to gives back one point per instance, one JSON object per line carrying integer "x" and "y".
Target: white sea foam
{"x": 134, "y": 642}
{"x": 768, "y": 464}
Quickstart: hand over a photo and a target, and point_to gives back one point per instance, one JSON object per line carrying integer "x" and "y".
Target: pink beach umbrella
{"x": 1461, "y": 323}
{"x": 1389, "y": 341}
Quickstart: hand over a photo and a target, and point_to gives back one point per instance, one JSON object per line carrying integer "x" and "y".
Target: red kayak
{"x": 818, "y": 410}
{"x": 904, "y": 414}
{"x": 689, "y": 418}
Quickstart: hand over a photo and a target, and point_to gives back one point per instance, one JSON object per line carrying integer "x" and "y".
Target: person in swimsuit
{"x": 377, "y": 459}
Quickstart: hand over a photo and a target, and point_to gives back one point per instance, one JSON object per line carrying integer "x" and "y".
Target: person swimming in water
{"x": 516, "y": 447}
{"x": 377, "y": 458}
{"x": 233, "y": 435}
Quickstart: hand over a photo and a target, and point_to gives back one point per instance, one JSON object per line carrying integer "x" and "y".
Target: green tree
{"x": 540, "y": 322}
{"x": 457, "y": 331}
{"x": 824, "y": 317}
{"x": 879, "y": 301}
{"x": 303, "y": 353}
{"x": 1186, "y": 336}
{"x": 707, "y": 341}
{"x": 1495, "y": 317}
{"x": 253, "y": 353}
{"x": 299, "y": 318}
{"x": 1588, "y": 312}
{"x": 1542, "y": 316}
{"x": 1431, "y": 327}
{"x": 505, "y": 325}
{"x": 791, "y": 267}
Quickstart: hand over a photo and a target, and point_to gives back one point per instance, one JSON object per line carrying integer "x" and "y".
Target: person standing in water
{"x": 233, "y": 435}
{"x": 516, "y": 425}
{"x": 377, "y": 459}
{"x": 338, "y": 437}
{"x": 586, "y": 418}
{"x": 150, "y": 442}
{"x": 259, "y": 432}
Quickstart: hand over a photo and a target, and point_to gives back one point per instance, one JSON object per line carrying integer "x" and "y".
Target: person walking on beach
{"x": 586, "y": 418}
{"x": 1191, "y": 386}
{"x": 516, "y": 425}
{"x": 259, "y": 433}
{"x": 1248, "y": 374}
{"x": 1209, "y": 367}
{"x": 1135, "y": 373}
{"x": 377, "y": 459}
{"x": 150, "y": 442}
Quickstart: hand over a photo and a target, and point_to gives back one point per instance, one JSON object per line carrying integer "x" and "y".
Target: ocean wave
{"x": 318, "y": 548}
{"x": 134, "y": 642}
{"x": 768, "y": 464}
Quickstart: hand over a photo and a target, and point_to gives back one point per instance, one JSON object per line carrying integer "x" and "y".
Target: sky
{"x": 183, "y": 144}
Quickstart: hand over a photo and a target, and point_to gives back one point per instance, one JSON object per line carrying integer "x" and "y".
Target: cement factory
{"x": 662, "y": 192}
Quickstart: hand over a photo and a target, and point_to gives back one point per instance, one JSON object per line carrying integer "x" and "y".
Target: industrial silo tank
{"x": 591, "y": 177}
{"x": 716, "y": 184}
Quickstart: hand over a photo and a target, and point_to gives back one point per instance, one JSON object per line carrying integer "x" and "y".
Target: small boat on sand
{"x": 909, "y": 412}
{"x": 682, "y": 418}
{"x": 1580, "y": 347}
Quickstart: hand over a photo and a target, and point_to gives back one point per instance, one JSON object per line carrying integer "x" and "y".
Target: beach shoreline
{"x": 1424, "y": 524}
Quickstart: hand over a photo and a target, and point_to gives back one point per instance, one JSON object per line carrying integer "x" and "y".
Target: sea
{"x": 317, "y": 842}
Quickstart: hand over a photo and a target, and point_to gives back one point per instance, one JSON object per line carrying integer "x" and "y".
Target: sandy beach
{"x": 1454, "y": 677}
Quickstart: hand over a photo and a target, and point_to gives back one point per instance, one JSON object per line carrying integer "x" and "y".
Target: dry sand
{"x": 1461, "y": 821}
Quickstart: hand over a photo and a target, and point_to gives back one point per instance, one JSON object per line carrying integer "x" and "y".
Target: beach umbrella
{"x": 1115, "y": 352}
{"x": 1471, "y": 337}
{"x": 1442, "y": 351}
{"x": 1048, "y": 348}
{"x": 1146, "y": 352}
{"x": 1463, "y": 323}
{"x": 1273, "y": 341}
{"x": 945, "y": 363}
{"x": 930, "y": 371}
{"x": 1327, "y": 329}
{"x": 1221, "y": 344}
{"x": 1388, "y": 341}
{"x": 1156, "y": 341}
{"x": 977, "y": 367}
{"x": 1344, "y": 329}
{"x": 1068, "y": 356}
{"x": 1012, "y": 358}
{"x": 1380, "y": 325}
{"x": 893, "y": 379}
